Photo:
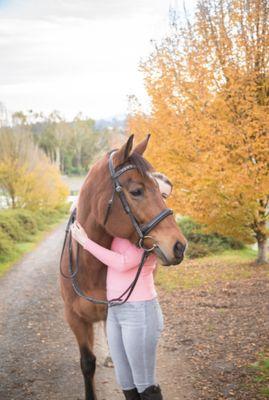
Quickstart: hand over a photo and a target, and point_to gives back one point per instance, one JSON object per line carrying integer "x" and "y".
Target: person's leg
{"x": 141, "y": 328}
{"x": 114, "y": 336}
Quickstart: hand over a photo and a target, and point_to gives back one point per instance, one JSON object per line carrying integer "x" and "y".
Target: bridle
{"x": 142, "y": 231}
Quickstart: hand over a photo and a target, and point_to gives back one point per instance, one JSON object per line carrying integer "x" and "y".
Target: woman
{"x": 133, "y": 328}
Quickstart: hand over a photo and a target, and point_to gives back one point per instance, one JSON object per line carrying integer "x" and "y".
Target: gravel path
{"x": 39, "y": 355}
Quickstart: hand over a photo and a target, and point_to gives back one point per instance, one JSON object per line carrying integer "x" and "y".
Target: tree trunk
{"x": 13, "y": 201}
{"x": 262, "y": 249}
{"x": 58, "y": 158}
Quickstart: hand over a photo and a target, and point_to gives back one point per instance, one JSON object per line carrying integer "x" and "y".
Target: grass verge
{"x": 261, "y": 373}
{"x": 231, "y": 265}
{"x": 21, "y": 248}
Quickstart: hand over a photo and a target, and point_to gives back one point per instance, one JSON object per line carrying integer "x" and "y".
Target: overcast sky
{"x": 76, "y": 55}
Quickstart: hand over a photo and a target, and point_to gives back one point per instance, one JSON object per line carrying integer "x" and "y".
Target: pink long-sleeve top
{"x": 123, "y": 260}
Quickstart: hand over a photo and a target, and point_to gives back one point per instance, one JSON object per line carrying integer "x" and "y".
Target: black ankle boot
{"x": 152, "y": 393}
{"x": 131, "y": 394}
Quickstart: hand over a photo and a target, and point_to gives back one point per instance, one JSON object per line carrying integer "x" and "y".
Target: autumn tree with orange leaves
{"x": 209, "y": 88}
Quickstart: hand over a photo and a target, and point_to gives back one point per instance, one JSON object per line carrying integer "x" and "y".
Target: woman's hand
{"x": 78, "y": 233}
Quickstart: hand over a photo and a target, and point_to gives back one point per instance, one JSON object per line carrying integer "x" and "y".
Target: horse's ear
{"x": 123, "y": 153}
{"x": 141, "y": 147}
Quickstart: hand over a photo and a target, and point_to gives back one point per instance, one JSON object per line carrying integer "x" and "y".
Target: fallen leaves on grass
{"x": 217, "y": 315}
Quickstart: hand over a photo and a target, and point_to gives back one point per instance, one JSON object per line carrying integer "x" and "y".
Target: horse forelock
{"x": 143, "y": 166}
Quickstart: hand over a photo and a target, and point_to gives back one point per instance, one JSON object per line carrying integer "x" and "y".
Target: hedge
{"x": 20, "y": 225}
{"x": 201, "y": 244}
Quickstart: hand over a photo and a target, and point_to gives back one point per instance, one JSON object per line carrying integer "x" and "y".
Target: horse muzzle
{"x": 175, "y": 259}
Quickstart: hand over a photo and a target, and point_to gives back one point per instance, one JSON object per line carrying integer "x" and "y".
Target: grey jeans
{"x": 133, "y": 330}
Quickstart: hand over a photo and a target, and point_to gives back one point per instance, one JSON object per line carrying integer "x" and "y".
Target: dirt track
{"x": 39, "y": 356}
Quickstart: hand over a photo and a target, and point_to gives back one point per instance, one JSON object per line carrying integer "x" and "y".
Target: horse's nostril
{"x": 179, "y": 249}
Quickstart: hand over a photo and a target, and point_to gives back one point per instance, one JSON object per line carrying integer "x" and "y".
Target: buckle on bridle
{"x": 118, "y": 188}
{"x": 141, "y": 243}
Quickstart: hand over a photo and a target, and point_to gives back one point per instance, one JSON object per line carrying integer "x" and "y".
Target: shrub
{"x": 6, "y": 245}
{"x": 27, "y": 219}
{"x": 11, "y": 227}
{"x": 26, "y": 174}
{"x": 202, "y": 243}
{"x": 18, "y": 225}
{"x": 49, "y": 216}
{"x": 197, "y": 250}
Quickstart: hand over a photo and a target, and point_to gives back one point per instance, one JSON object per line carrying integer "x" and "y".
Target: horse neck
{"x": 86, "y": 218}
{"x": 92, "y": 274}
{"x": 97, "y": 233}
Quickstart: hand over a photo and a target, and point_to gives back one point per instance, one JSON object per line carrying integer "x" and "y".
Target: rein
{"x": 142, "y": 231}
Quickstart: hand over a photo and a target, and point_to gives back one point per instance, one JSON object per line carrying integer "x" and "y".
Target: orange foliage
{"x": 209, "y": 87}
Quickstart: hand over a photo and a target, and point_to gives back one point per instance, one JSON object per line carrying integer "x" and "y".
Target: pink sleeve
{"x": 128, "y": 258}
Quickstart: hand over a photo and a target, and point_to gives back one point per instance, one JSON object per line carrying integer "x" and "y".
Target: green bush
{"x": 201, "y": 244}
{"x": 11, "y": 227}
{"x": 197, "y": 250}
{"x": 6, "y": 245}
{"x": 27, "y": 219}
{"x": 19, "y": 225}
{"x": 48, "y": 216}
{"x": 40, "y": 219}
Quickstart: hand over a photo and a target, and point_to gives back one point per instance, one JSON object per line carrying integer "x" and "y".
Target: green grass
{"x": 22, "y": 248}
{"x": 246, "y": 254}
{"x": 228, "y": 266}
{"x": 261, "y": 369}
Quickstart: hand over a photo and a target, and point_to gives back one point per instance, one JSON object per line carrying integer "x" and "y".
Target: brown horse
{"x": 92, "y": 205}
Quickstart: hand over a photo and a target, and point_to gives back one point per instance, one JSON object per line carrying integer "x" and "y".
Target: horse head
{"x": 142, "y": 194}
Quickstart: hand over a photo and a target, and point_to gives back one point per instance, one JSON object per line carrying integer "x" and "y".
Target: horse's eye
{"x": 136, "y": 192}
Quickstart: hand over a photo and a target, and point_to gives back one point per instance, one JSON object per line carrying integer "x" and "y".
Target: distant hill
{"x": 111, "y": 123}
